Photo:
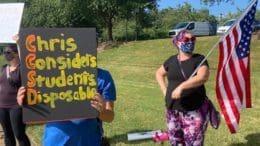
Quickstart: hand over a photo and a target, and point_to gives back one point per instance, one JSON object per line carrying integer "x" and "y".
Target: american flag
{"x": 233, "y": 75}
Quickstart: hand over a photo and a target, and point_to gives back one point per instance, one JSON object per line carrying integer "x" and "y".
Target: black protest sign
{"x": 59, "y": 70}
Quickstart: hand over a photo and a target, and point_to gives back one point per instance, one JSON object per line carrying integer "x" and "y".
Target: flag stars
{"x": 242, "y": 54}
{"x": 246, "y": 26}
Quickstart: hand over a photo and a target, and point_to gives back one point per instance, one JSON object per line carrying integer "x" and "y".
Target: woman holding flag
{"x": 185, "y": 94}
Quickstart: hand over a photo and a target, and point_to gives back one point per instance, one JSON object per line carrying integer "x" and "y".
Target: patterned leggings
{"x": 186, "y": 128}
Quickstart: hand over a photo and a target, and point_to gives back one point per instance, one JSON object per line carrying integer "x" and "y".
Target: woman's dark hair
{"x": 13, "y": 47}
{"x": 179, "y": 36}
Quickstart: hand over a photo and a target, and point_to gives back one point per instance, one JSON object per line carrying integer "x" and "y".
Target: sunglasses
{"x": 8, "y": 52}
{"x": 186, "y": 39}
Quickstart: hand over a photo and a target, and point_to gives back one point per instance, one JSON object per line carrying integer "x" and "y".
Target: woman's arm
{"x": 160, "y": 77}
{"x": 196, "y": 81}
{"x": 108, "y": 113}
{"x": 21, "y": 95}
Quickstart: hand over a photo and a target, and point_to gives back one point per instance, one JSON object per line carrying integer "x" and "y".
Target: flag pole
{"x": 223, "y": 36}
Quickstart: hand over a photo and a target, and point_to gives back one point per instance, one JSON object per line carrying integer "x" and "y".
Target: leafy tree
{"x": 79, "y": 13}
{"x": 126, "y": 12}
{"x": 138, "y": 18}
{"x": 58, "y": 13}
{"x": 106, "y": 11}
{"x": 211, "y": 2}
{"x": 143, "y": 14}
{"x": 171, "y": 16}
{"x": 257, "y": 15}
{"x": 42, "y": 13}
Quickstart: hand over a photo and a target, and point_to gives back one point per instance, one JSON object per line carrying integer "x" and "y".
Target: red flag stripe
{"x": 225, "y": 108}
{"x": 240, "y": 82}
{"x": 230, "y": 96}
{"x": 248, "y": 86}
{"x": 221, "y": 55}
{"x": 235, "y": 80}
{"x": 225, "y": 111}
{"x": 231, "y": 86}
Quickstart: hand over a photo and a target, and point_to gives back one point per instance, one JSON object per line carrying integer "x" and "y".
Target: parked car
{"x": 197, "y": 28}
{"x": 224, "y": 28}
{"x": 256, "y": 25}
{"x": 213, "y": 29}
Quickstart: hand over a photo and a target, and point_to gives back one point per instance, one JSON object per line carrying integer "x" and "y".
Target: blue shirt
{"x": 84, "y": 132}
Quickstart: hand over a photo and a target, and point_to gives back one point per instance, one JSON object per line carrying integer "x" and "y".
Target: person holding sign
{"x": 10, "y": 111}
{"x": 185, "y": 97}
{"x": 82, "y": 132}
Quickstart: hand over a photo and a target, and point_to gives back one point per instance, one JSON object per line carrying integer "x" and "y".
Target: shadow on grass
{"x": 252, "y": 140}
{"x": 122, "y": 138}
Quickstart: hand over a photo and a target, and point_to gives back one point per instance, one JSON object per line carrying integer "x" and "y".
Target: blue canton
{"x": 246, "y": 26}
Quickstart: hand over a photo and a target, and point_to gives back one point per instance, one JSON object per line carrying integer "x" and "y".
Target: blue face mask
{"x": 187, "y": 47}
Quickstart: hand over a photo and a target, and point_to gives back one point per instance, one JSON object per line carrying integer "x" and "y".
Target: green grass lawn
{"x": 140, "y": 104}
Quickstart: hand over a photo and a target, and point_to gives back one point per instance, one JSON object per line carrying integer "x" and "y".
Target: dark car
{"x": 256, "y": 25}
{"x": 212, "y": 28}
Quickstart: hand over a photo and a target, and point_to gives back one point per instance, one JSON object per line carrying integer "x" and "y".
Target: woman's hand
{"x": 105, "y": 108}
{"x": 16, "y": 38}
{"x": 98, "y": 102}
{"x": 21, "y": 95}
{"x": 176, "y": 93}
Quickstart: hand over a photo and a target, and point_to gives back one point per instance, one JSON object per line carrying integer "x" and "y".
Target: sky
{"x": 216, "y": 10}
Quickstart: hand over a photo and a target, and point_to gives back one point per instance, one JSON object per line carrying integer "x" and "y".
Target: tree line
{"x": 116, "y": 19}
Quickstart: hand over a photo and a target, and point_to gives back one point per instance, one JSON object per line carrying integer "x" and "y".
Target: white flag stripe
{"x": 232, "y": 87}
{"x": 225, "y": 52}
{"x": 227, "y": 105}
